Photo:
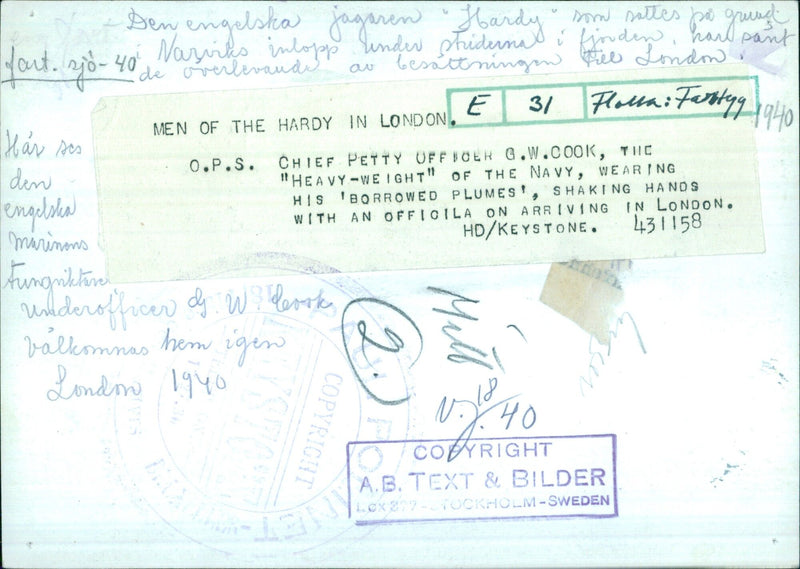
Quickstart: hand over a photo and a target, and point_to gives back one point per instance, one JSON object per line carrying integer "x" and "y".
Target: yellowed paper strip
{"x": 586, "y": 292}
{"x": 431, "y": 174}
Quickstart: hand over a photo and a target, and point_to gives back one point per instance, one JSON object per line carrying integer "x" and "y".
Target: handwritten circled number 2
{"x": 387, "y": 340}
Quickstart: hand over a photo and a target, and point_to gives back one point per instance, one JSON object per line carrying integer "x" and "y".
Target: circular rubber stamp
{"x": 239, "y": 438}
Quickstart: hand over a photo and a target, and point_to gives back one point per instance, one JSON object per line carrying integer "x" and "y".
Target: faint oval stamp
{"x": 243, "y": 443}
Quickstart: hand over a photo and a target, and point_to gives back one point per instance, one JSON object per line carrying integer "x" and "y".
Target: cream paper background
{"x": 154, "y": 206}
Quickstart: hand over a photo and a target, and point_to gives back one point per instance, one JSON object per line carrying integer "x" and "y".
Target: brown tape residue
{"x": 586, "y": 292}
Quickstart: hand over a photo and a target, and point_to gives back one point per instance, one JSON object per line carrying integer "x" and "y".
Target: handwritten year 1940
{"x": 188, "y": 379}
